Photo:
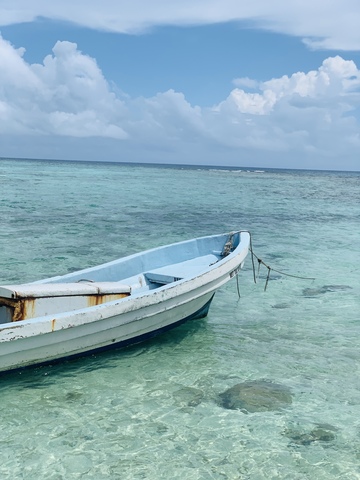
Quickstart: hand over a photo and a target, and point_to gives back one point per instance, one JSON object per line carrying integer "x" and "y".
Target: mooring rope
{"x": 261, "y": 262}
{"x": 237, "y": 285}
{"x": 228, "y": 247}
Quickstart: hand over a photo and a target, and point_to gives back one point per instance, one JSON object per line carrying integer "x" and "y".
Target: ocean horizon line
{"x": 189, "y": 166}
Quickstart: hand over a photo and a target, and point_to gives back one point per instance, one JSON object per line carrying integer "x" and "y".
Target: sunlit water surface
{"x": 152, "y": 411}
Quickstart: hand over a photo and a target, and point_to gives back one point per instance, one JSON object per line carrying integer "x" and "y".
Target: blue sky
{"x": 206, "y": 84}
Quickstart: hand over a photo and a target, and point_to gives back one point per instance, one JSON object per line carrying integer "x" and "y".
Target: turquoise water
{"x": 152, "y": 411}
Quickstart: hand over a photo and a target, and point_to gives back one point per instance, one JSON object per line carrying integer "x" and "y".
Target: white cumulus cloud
{"x": 310, "y": 118}
{"x": 65, "y": 95}
{"x": 316, "y": 111}
{"x": 335, "y": 79}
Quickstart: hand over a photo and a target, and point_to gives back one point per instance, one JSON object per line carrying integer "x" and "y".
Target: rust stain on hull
{"x": 93, "y": 300}
{"x": 21, "y": 309}
{"x": 25, "y": 308}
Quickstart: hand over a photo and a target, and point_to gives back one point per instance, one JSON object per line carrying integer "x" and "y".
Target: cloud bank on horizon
{"x": 308, "y": 119}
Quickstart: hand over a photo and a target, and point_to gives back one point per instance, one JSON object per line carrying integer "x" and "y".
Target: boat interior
{"x": 115, "y": 280}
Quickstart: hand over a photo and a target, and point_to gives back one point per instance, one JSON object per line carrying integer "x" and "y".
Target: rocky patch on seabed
{"x": 314, "y": 292}
{"x": 256, "y": 396}
{"x": 322, "y": 432}
{"x": 188, "y": 396}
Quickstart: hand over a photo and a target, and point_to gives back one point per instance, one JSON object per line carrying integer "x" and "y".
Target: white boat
{"x": 115, "y": 304}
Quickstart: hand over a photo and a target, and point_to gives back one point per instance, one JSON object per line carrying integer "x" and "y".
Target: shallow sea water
{"x": 152, "y": 411}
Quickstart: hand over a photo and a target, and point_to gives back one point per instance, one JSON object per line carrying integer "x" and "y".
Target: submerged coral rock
{"x": 313, "y": 292}
{"x": 189, "y": 396}
{"x": 256, "y": 396}
{"x": 281, "y": 306}
{"x": 321, "y": 433}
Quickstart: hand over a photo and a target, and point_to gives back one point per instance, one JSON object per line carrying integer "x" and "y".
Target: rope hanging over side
{"x": 261, "y": 262}
{"x": 237, "y": 285}
{"x": 252, "y": 257}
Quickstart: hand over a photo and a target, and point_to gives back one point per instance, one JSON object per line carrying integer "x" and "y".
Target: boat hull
{"x": 32, "y": 355}
{"x": 117, "y": 331}
{"x": 116, "y": 323}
